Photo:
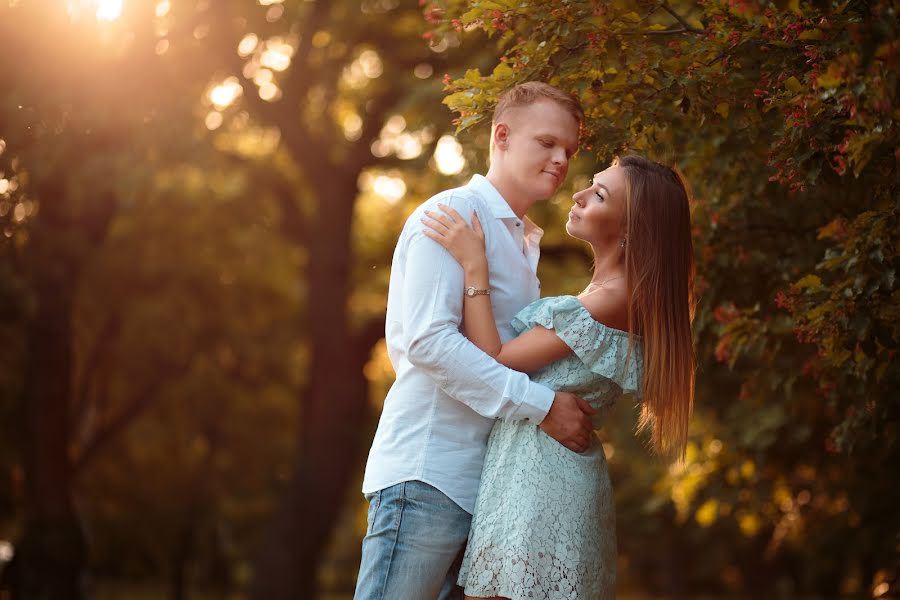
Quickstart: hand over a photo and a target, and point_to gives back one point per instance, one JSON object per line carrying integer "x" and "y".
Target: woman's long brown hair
{"x": 659, "y": 273}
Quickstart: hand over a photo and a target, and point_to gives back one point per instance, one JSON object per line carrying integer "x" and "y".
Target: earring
{"x": 622, "y": 243}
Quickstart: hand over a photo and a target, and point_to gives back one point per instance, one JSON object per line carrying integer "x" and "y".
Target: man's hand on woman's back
{"x": 569, "y": 421}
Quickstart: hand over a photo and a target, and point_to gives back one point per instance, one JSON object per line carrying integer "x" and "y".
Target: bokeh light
{"x": 276, "y": 54}
{"x": 225, "y": 93}
{"x": 109, "y": 10}
{"x": 103, "y": 10}
{"x": 390, "y": 188}
{"x": 448, "y": 156}
{"x": 248, "y": 44}
{"x": 423, "y": 71}
{"x": 213, "y": 120}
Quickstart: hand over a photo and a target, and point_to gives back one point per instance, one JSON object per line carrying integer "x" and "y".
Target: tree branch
{"x": 680, "y": 19}
{"x": 102, "y": 342}
{"x": 295, "y": 83}
{"x": 138, "y": 405}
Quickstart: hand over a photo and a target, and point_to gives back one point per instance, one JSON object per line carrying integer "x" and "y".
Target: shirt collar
{"x": 484, "y": 188}
{"x": 500, "y": 209}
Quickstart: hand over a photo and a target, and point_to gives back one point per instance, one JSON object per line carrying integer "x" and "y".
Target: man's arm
{"x": 432, "y": 299}
{"x": 432, "y": 312}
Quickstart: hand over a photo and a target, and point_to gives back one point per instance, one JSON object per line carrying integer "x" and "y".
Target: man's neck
{"x": 517, "y": 203}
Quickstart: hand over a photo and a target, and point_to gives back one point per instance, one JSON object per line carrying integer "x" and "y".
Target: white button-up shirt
{"x": 438, "y": 414}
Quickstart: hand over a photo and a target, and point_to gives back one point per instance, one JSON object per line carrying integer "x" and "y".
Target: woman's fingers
{"x": 439, "y": 218}
{"x": 440, "y": 239}
{"x": 434, "y": 229}
{"x": 451, "y": 212}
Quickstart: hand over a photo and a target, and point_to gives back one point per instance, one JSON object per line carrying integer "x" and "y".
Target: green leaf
{"x": 809, "y": 281}
{"x": 502, "y": 71}
{"x": 793, "y": 84}
{"x": 810, "y": 34}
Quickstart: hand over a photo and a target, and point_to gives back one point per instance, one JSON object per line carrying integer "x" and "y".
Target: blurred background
{"x": 198, "y": 205}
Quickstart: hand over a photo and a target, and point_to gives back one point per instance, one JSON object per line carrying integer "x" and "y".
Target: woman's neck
{"x": 609, "y": 261}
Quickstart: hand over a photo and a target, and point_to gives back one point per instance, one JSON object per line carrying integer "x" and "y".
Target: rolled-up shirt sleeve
{"x": 432, "y": 298}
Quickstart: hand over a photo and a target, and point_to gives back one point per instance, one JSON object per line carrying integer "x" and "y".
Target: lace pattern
{"x": 544, "y": 522}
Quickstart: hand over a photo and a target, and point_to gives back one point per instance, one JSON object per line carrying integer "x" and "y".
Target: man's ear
{"x": 500, "y": 135}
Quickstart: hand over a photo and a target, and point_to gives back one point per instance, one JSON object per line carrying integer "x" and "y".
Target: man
{"x": 425, "y": 463}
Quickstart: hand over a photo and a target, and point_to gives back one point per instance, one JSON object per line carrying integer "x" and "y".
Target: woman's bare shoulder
{"x": 608, "y": 306}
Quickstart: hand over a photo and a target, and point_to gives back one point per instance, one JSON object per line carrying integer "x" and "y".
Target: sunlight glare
{"x": 352, "y": 126}
{"x": 371, "y": 64}
{"x": 391, "y": 189}
{"x": 108, "y": 10}
{"x": 394, "y": 126}
{"x": 269, "y": 91}
{"x": 213, "y": 120}
{"x": 7, "y": 551}
{"x": 274, "y": 13}
{"x": 448, "y": 156}
{"x": 262, "y": 77}
{"x": 226, "y": 92}
{"x": 407, "y": 146}
{"x": 162, "y": 8}
{"x": 277, "y": 55}
{"x": 248, "y": 44}
{"x": 104, "y": 10}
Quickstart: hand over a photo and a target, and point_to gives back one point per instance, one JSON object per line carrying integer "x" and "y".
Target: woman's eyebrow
{"x": 594, "y": 182}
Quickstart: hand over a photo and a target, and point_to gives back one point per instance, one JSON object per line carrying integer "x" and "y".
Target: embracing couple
{"x": 485, "y": 476}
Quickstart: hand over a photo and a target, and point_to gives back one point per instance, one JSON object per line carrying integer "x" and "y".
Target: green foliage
{"x": 783, "y": 117}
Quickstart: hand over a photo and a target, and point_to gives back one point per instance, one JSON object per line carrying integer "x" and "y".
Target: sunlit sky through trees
{"x": 265, "y": 58}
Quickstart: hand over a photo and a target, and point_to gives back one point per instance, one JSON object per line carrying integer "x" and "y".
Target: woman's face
{"x": 598, "y": 213}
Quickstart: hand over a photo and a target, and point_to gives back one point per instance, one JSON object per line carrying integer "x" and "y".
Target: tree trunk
{"x": 333, "y": 415}
{"x": 51, "y": 558}
{"x": 52, "y": 554}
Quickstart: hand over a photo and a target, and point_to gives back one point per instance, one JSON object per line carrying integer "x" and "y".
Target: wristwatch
{"x": 473, "y": 291}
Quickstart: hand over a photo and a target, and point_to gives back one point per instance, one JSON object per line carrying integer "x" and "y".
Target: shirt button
{"x": 518, "y": 224}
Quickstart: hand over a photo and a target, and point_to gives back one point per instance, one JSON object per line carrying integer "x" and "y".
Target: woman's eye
{"x": 598, "y": 196}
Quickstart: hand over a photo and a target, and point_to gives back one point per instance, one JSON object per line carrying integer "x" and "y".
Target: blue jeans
{"x": 413, "y": 545}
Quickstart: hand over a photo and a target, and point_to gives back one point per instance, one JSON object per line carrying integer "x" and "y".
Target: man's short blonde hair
{"x": 525, "y": 94}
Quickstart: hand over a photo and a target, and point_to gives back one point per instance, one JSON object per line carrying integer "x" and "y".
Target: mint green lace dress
{"x": 544, "y": 521}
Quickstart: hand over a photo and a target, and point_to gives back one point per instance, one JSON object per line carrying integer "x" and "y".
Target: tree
{"x": 783, "y": 118}
{"x": 351, "y": 94}
{"x": 322, "y": 93}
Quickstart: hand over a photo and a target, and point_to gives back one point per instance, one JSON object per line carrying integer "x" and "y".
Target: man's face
{"x": 539, "y": 141}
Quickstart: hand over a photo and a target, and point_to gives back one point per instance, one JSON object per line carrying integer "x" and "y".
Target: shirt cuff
{"x": 536, "y": 403}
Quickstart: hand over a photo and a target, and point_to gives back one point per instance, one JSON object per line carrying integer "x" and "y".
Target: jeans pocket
{"x": 374, "y": 502}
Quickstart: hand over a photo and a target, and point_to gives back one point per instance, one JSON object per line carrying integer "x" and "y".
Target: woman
{"x": 544, "y": 522}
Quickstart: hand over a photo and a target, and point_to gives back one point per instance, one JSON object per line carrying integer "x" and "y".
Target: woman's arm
{"x": 526, "y": 353}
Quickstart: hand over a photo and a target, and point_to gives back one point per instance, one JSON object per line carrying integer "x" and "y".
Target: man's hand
{"x": 569, "y": 421}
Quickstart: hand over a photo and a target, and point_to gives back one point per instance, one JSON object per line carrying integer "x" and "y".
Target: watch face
{"x": 470, "y": 291}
